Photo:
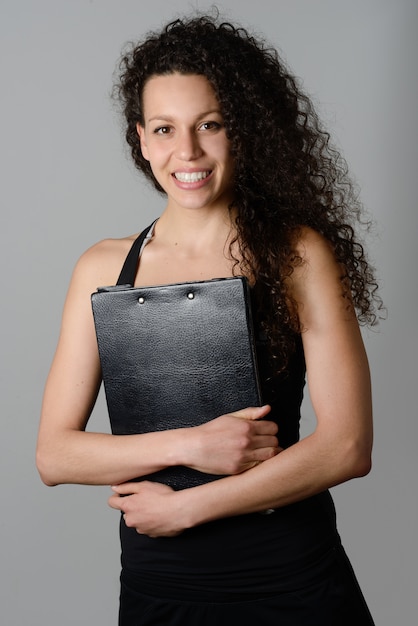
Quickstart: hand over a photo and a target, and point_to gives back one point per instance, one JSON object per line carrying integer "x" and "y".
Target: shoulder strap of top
{"x": 130, "y": 266}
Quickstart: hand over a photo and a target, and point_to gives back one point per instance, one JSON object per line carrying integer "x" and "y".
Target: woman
{"x": 219, "y": 126}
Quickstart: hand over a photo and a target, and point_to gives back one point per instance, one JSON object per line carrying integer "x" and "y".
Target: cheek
{"x": 158, "y": 160}
{"x": 229, "y": 161}
{"x": 223, "y": 152}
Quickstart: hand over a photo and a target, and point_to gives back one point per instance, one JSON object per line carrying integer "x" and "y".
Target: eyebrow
{"x": 168, "y": 118}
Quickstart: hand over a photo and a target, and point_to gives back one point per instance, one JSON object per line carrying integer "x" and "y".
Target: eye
{"x": 210, "y": 126}
{"x": 162, "y": 130}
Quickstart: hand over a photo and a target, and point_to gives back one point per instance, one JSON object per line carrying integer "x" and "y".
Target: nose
{"x": 187, "y": 145}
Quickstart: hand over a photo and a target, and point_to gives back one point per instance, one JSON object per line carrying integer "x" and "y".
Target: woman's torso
{"x": 256, "y": 553}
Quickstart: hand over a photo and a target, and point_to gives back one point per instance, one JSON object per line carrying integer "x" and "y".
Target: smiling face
{"x": 184, "y": 140}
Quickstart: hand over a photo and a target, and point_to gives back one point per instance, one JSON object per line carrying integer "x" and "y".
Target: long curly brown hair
{"x": 287, "y": 173}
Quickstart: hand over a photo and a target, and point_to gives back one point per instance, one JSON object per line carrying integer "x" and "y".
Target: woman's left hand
{"x": 153, "y": 509}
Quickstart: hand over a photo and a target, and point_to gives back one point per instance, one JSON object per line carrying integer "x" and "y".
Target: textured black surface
{"x": 176, "y": 356}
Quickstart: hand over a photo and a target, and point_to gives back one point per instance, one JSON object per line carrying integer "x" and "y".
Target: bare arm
{"x": 66, "y": 453}
{"x": 340, "y": 447}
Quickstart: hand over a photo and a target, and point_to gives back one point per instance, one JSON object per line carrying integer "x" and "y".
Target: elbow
{"x": 45, "y": 467}
{"x": 362, "y": 466}
{"x": 46, "y": 476}
{"x": 358, "y": 460}
{"x": 46, "y": 479}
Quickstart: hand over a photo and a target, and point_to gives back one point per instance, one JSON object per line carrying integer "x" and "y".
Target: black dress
{"x": 286, "y": 567}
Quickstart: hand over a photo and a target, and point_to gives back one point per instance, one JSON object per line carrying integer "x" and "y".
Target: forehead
{"x": 187, "y": 91}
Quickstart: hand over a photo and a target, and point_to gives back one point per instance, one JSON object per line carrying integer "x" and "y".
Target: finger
{"x": 115, "y": 502}
{"x": 264, "y": 454}
{"x": 253, "y": 412}
{"x": 265, "y": 427}
{"x": 126, "y": 488}
{"x": 265, "y": 441}
{"x": 259, "y": 456}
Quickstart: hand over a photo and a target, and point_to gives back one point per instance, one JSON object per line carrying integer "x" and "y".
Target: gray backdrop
{"x": 67, "y": 182}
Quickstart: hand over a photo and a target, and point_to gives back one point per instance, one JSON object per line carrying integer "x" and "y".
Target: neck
{"x": 192, "y": 230}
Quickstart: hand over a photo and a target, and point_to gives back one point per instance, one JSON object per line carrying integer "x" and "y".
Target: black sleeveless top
{"x": 246, "y": 554}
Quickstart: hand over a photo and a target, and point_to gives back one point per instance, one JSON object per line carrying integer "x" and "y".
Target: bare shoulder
{"x": 316, "y": 258}
{"x": 101, "y": 264}
{"x": 319, "y": 284}
{"x": 314, "y": 250}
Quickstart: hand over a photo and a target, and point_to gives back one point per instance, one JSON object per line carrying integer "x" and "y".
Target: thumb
{"x": 253, "y": 412}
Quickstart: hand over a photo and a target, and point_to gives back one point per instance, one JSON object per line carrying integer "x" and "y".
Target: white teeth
{"x": 191, "y": 177}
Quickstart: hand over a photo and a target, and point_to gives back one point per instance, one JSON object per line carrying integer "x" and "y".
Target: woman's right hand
{"x": 232, "y": 443}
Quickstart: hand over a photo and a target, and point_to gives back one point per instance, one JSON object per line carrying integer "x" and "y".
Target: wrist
{"x": 183, "y": 447}
{"x": 202, "y": 504}
{"x": 187, "y": 507}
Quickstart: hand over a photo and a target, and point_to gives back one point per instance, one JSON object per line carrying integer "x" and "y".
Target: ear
{"x": 141, "y": 134}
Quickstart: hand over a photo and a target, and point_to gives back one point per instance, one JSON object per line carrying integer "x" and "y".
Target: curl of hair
{"x": 287, "y": 173}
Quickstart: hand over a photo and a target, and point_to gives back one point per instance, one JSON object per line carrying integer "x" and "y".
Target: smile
{"x": 191, "y": 177}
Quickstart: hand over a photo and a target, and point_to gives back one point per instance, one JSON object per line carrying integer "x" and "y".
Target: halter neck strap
{"x": 130, "y": 266}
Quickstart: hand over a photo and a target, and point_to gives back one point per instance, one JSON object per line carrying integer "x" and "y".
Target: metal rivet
{"x": 141, "y": 300}
{"x": 190, "y": 296}
{"x": 268, "y": 512}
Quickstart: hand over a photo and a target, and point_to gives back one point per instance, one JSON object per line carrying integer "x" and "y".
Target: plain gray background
{"x": 67, "y": 182}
